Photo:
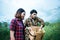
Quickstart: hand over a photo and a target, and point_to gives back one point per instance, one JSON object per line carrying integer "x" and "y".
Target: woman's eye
{"x": 24, "y": 14}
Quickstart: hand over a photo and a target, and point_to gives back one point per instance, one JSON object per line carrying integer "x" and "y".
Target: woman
{"x": 17, "y": 26}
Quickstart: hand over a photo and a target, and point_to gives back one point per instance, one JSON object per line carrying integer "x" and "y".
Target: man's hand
{"x": 41, "y": 26}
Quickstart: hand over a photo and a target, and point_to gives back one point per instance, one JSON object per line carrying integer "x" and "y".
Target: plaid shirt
{"x": 18, "y": 27}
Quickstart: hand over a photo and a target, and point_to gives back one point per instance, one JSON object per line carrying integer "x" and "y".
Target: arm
{"x": 12, "y": 35}
{"x": 12, "y": 29}
{"x": 25, "y": 23}
{"x": 42, "y": 23}
{"x": 41, "y": 26}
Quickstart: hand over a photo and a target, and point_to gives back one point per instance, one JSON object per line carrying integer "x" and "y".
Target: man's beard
{"x": 34, "y": 17}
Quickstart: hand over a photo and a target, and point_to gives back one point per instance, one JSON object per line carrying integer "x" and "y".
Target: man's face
{"x": 34, "y": 15}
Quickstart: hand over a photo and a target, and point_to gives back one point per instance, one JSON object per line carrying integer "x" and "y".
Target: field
{"x": 52, "y": 31}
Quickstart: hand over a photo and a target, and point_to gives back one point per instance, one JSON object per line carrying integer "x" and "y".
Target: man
{"x": 33, "y": 20}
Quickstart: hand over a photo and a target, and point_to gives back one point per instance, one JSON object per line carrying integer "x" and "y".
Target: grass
{"x": 4, "y": 33}
{"x": 52, "y": 32}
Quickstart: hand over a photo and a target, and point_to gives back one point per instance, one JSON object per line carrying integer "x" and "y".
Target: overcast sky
{"x": 47, "y": 9}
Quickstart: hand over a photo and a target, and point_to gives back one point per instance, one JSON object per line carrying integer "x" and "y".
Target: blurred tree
{"x": 52, "y": 32}
{"x": 0, "y": 24}
{"x": 47, "y": 23}
{"x": 5, "y": 24}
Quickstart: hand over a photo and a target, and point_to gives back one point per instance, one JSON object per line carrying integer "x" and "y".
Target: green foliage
{"x": 5, "y": 24}
{"x": 0, "y": 24}
{"x": 47, "y": 23}
{"x": 52, "y": 32}
{"x": 4, "y": 33}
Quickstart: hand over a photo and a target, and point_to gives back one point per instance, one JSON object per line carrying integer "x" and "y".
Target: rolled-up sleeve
{"x": 41, "y": 21}
{"x": 12, "y": 25}
{"x": 26, "y": 23}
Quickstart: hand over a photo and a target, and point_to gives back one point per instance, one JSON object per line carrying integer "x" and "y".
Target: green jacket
{"x": 33, "y": 22}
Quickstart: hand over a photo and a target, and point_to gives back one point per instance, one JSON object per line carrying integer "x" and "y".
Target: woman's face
{"x": 22, "y": 15}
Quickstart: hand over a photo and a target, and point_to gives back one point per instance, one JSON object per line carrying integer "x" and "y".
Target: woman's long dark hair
{"x": 18, "y": 13}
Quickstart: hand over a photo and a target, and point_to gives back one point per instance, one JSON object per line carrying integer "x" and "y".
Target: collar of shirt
{"x": 17, "y": 19}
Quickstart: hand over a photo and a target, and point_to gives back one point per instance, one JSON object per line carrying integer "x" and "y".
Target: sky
{"x": 48, "y": 10}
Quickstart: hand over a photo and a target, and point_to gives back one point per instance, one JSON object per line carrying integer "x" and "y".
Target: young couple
{"x": 17, "y": 27}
